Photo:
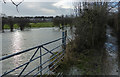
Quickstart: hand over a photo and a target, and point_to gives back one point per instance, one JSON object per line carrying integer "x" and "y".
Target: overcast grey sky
{"x": 41, "y": 7}
{"x": 38, "y": 8}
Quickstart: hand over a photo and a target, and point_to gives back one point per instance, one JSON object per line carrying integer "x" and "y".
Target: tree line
{"x": 23, "y": 22}
{"x": 63, "y": 21}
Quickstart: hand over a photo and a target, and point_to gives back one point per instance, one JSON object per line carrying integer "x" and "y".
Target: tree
{"x": 10, "y": 23}
{"x": 56, "y": 21}
{"x": 3, "y": 23}
{"x": 90, "y": 24}
{"x": 23, "y": 22}
{"x": 16, "y": 5}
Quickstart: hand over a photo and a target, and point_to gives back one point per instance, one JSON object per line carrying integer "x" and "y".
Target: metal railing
{"x": 55, "y": 58}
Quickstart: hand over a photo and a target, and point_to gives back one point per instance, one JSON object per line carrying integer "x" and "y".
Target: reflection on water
{"x": 16, "y": 45}
{"x": 16, "y": 41}
{"x": 13, "y": 42}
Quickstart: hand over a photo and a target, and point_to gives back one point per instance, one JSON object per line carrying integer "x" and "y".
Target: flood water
{"x": 16, "y": 41}
{"x": 111, "y": 65}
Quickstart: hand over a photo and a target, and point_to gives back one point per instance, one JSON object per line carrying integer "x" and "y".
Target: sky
{"x": 34, "y": 8}
{"x": 40, "y": 7}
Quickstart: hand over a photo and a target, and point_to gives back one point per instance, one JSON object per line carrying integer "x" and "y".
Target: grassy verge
{"x": 42, "y": 24}
{"x": 88, "y": 61}
{"x": 16, "y": 26}
{"x": 33, "y": 25}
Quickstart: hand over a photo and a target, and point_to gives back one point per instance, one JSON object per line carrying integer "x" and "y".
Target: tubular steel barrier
{"x": 55, "y": 58}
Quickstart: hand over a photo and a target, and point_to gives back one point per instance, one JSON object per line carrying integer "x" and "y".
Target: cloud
{"x": 33, "y": 0}
{"x": 48, "y": 10}
{"x": 33, "y": 9}
{"x": 64, "y": 0}
{"x": 66, "y": 4}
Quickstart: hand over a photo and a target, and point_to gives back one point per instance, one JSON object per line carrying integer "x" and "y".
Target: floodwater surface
{"x": 13, "y": 42}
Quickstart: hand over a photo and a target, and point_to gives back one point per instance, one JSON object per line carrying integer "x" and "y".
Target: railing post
{"x": 40, "y": 62}
{"x": 64, "y": 35}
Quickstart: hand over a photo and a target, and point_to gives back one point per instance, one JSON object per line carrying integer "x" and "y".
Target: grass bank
{"x": 89, "y": 61}
{"x": 16, "y": 26}
{"x": 33, "y": 25}
{"x": 42, "y": 24}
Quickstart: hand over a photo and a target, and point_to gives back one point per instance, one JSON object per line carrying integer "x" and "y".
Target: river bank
{"x": 32, "y": 25}
{"x": 92, "y": 62}
{"x": 88, "y": 63}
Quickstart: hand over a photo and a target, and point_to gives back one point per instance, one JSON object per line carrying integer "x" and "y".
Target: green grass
{"x": 33, "y": 25}
{"x": 42, "y": 24}
{"x": 88, "y": 61}
{"x": 6, "y": 26}
{"x": 16, "y": 26}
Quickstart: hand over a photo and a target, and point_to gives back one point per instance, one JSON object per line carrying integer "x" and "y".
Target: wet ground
{"x": 111, "y": 57}
{"x": 111, "y": 62}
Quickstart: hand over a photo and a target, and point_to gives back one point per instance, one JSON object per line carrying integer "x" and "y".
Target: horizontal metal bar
{"x": 54, "y": 65}
{"x": 58, "y": 65}
{"x": 9, "y": 56}
{"x": 23, "y": 65}
{"x": 48, "y": 65}
{"x": 51, "y": 42}
{"x": 48, "y": 50}
{"x": 28, "y": 61}
{"x": 6, "y": 57}
{"x": 42, "y": 64}
{"x": 56, "y": 47}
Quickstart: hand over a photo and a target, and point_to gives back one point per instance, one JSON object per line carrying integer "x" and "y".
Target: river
{"x": 16, "y": 41}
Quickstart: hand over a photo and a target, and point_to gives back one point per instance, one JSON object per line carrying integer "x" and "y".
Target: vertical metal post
{"x": 63, "y": 37}
{"x": 40, "y": 62}
{"x": 63, "y": 32}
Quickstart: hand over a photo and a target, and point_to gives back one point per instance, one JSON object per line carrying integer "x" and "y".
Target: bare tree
{"x": 16, "y": 5}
